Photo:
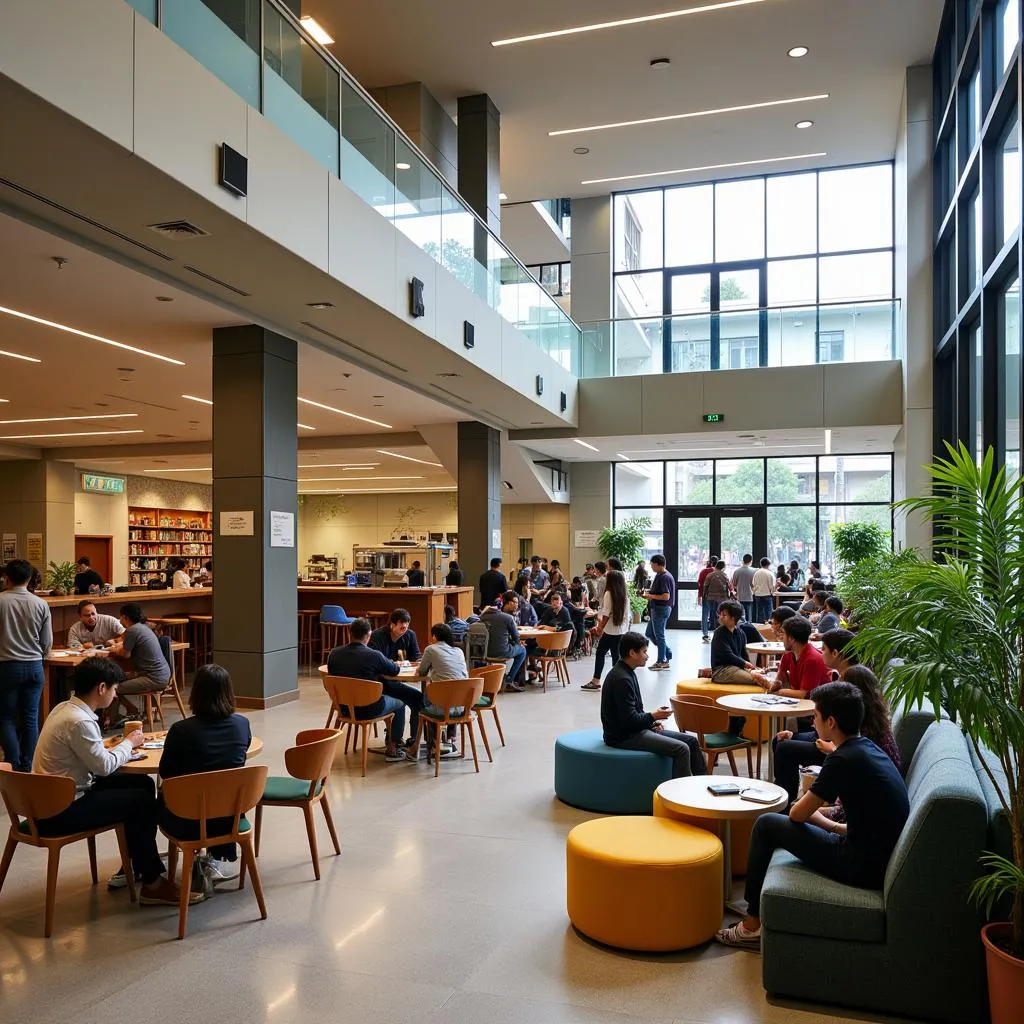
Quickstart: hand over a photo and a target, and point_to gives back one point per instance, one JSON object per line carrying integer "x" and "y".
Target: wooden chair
{"x": 309, "y": 766}
{"x": 225, "y": 794}
{"x": 202, "y": 639}
{"x": 177, "y": 630}
{"x": 347, "y": 695}
{"x": 153, "y": 702}
{"x": 309, "y": 633}
{"x": 29, "y": 797}
{"x": 555, "y": 647}
{"x": 449, "y": 694}
{"x": 701, "y": 715}
{"x": 493, "y": 677}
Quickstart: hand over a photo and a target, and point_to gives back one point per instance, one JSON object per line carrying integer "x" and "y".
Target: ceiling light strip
{"x": 576, "y": 440}
{"x": 86, "y": 334}
{"x": 341, "y": 412}
{"x": 194, "y": 469}
{"x": 332, "y": 479}
{"x": 377, "y": 490}
{"x": 623, "y": 22}
{"x": 707, "y": 167}
{"x": 408, "y": 458}
{"x": 340, "y": 465}
{"x": 18, "y": 355}
{"x": 79, "y": 433}
{"x": 194, "y": 398}
{"x": 73, "y": 419}
{"x": 692, "y": 114}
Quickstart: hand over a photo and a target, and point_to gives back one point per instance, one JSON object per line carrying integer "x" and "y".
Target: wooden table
{"x": 784, "y": 596}
{"x": 409, "y": 674}
{"x": 61, "y": 659}
{"x": 150, "y": 763}
{"x": 766, "y": 706}
{"x": 690, "y": 796}
{"x": 774, "y": 648}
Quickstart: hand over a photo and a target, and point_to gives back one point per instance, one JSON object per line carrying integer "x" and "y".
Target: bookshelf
{"x": 156, "y": 534}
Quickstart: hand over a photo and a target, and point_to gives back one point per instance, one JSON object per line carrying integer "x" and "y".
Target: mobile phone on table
{"x": 724, "y": 789}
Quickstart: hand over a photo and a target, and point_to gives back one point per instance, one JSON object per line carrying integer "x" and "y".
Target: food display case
{"x": 388, "y": 563}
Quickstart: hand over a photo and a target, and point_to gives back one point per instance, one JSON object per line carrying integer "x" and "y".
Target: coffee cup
{"x": 807, "y": 779}
{"x": 131, "y": 726}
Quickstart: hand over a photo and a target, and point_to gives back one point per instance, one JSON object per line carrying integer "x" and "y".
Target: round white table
{"x": 766, "y": 706}
{"x": 690, "y": 796}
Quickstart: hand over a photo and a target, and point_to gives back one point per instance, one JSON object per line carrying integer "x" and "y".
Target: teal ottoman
{"x": 595, "y": 777}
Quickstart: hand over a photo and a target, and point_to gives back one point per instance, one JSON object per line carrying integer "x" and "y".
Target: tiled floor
{"x": 446, "y": 904}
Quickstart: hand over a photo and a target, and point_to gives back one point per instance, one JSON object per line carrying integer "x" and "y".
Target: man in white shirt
{"x": 93, "y": 629}
{"x": 71, "y": 744}
{"x": 763, "y": 587}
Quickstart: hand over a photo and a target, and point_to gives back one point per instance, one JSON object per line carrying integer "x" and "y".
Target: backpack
{"x": 477, "y": 641}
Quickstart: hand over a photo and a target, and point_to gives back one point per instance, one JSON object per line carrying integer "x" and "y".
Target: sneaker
{"x": 165, "y": 894}
{"x": 658, "y": 666}
{"x": 739, "y": 937}
{"x": 394, "y": 754}
{"x": 223, "y": 870}
{"x": 410, "y": 755}
{"x": 447, "y": 755}
{"x": 120, "y": 881}
{"x": 706, "y": 639}
{"x": 510, "y": 687}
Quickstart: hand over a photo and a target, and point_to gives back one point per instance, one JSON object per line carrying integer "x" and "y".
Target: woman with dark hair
{"x": 641, "y": 577}
{"x": 796, "y": 574}
{"x": 455, "y": 624}
{"x": 833, "y": 650}
{"x": 455, "y": 577}
{"x": 214, "y": 738}
{"x": 612, "y": 624}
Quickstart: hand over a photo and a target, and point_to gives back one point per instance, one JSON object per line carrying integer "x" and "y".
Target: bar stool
{"x": 176, "y": 630}
{"x": 334, "y": 628}
{"x": 308, "y": 636}
{"x": 202, "y": 639}
{"x": 376, "y": 618}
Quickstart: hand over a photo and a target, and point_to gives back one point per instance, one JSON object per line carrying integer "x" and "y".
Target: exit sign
{"x": 98, "y": 484}
{"x": 714, "y": 417}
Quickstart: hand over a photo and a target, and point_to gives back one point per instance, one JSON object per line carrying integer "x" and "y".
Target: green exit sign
{"x": 98, "y": 484}
{"x": 714, "y": 417}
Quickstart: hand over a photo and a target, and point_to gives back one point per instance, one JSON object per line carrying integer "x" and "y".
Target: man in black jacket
{"x": 492, "y": 584}
{"x": 628, "y": 726}
{"x": 729, "y": 661}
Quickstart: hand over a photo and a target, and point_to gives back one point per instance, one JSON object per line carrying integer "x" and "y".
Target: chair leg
{"x": 437, "y": 749}
{"x": 360, "y": 731}
{"x": 259, "y": 826}
{"x": 187, "y": 855}
{"x": 732, "y": 762}
{"x": 327, "y": 724}
{"x": 714, "y": 762}
{"x": 462, "y": 737}
{"x": 472, "y": 743}
{"x": 52, "y": 866}
{"x": 177, "y": 697}
{"x": 314, "y": 852}
{"x": 126, "y": 862}
{"x": 257, "y": 882}
{"x": 330, "y": 823}
{"x": 91, "y": 843}
{"x": 497, "y": 722}
{"x": 172, "y": 861}
{"x": 750, "y": 763}
{"x": 242, "y": 868}
{"x": 348, "y": 736}
{"x": 5, "y": 864}
{"x": 483, "y": 736}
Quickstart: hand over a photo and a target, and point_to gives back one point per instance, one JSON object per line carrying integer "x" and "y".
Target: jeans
{"x": 656, "y": 630}
{"x": 823, "y": 852}
{"x": 21, "y": 684}
{"x": 709, "y": 616}
{"x": 187, "y": 828}
{"x": 412, "y": 699}
{"x": 117, "y": 799}
{"x": 518, "y": 655}
{"x": 762, "y": 609}
{"x": 790, "y": 755}
{"x": 684, "y": 749}
{"x": 608, "y": 644}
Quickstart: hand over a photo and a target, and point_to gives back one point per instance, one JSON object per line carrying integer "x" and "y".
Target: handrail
{"x": 287, "y": 14}
{"x": 790, "y": 306}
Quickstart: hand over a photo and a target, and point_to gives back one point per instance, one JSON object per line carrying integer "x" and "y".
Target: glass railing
{"x": 857, "y": 332}
{"x": 277, "y": 68}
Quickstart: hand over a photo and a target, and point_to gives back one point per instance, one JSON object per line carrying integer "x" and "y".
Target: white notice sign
{"x": 587, "y": 538}
{"x": 496, "y": 539}
{"x": 282, "y": 530}
{"x": 237, "y": 524}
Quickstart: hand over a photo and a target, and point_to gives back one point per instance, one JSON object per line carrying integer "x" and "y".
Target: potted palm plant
{"x": 958, "y": 624}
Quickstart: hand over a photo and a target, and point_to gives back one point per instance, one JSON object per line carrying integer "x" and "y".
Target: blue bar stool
{"x": 334, "y": 629}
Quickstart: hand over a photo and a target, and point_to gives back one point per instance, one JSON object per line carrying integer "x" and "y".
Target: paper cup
{"x": 131, "y": 726}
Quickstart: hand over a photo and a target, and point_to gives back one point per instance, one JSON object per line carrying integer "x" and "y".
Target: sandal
{"x": 740, "y": 938}
{"x": 591, "y": 686}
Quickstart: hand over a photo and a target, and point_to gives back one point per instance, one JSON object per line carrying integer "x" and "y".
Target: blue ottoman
{"x": 596, "y": 777}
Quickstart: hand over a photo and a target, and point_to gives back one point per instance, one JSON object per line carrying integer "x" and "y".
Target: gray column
{"x": 255, "y": 386}
{"x": 590, "y": 484}
{"x": 592, "y": 280}
{"x": 479, "y": 499}
{"x": 480, "y": 157}
{"x": 415, "y": 110}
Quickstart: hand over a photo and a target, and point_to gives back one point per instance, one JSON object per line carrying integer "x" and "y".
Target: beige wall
{"x": 547, "y": 525}
{"x": 37, "y": 496}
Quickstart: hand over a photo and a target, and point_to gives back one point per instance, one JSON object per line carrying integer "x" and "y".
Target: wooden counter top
{"x": 319, "y": 588}
{"x": 128, "y": 597}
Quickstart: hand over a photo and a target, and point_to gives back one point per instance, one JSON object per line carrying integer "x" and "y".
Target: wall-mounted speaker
{"x": 468, "y": 334}
{"x": 563, "y": 401}
{"x": 540, "y": 384}
{"x": 234, "y": 171}
{"x": 416, "y": 306}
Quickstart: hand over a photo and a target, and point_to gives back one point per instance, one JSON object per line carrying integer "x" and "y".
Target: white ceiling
{"x": 859, "y": 50}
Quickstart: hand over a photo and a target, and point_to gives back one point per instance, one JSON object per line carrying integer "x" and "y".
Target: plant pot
{"x": 1005, "y": 975}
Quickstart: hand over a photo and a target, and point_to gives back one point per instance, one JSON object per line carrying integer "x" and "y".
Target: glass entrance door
{"x": 693, "y": 535}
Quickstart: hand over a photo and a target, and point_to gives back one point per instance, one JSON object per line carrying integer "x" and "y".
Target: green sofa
{"x": 914, "y": 948}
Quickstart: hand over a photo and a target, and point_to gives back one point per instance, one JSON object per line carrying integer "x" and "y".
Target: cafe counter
{"x": 156, "y": 604}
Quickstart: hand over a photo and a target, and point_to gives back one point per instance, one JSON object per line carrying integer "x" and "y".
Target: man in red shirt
{"x": 706, "y": 625}
{"x": 802, "y": 668}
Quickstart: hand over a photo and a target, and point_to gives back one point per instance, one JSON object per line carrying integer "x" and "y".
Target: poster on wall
{"x": 34, "y": 548}
{"x": 282, "y": 530}
{"x": 10, "y": 547}
{"x": 586, "y": 538}
{"x": 237, "y": 524}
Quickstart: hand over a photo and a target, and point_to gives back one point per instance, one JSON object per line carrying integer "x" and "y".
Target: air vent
{"x": 448, "y": 375}
{"x": 215, "y": 280}
{"x": 451, "y": 394}
{"x": 178, "y": 229}
{"x": 372, "y": 356}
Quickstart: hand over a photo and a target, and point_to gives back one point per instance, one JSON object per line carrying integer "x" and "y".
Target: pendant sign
{"x": 714, "y": 417}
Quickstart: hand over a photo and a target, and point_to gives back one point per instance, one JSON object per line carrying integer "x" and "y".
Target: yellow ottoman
{"x": 741, "y": 829}
{"x": 644, "y": 883}
{"x": 706, "y": 688}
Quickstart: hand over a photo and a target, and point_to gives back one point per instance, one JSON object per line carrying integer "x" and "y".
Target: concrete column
{"x": 592, "y": 280}
{"x": 479, "y": 498}
{"x": 590, "y": 484}
{"x": 480, "y": 157}
{"x": 914, "y": 285}
{"x": 255, "y": 470}
{"x": 415, "y": 110}
{"x": 37, "y": 496}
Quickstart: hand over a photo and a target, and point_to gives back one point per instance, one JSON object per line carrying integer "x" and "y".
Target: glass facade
{"x": 978, "y": 228}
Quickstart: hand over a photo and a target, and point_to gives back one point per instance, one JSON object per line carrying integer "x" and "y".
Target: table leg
{"x": 772, "y": 732}
{"x": 760, "y": 742}
{"x": 727, "y": 868}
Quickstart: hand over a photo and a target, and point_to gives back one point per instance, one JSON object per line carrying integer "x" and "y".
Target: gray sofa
{"x": 914, "y": 948}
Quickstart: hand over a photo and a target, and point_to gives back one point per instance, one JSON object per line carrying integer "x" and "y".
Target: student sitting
{"x": 442, "y": 660}
{"x": 455, "y": 624}
{"x": 802, "y": 667}
{"x": 729, "y": 661}
{"x": 875, "y": 800}
{"x": 830, "y": 616}
{"x": 778, "y": 617}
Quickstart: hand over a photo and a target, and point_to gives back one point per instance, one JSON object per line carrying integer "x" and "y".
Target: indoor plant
{"x": 854, "y": 542}
{"x": 626, "y": 543}
{"x": 60, "y": 577}
{"x": 958, "y": 623}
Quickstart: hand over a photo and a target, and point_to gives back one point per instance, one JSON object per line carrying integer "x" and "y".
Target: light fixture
{"x": 799, "y": 51}
{"x": 194, "y": 469}
{"x": 65, "y": 419}
{"x": 340, "y": 465}
{"x": 660, "y": 62}
{"x": 581, "y": 150}
{"x": 828, "y": 441}
{"x": 320, "y": 305}
{"x": 708, "y": 167}
{"x": 408, "y": 458}
{"x": 402, "y": 166}
{"x": 5, "y": 401}
{"x": 304, "y": 426}
{"x": 85, "y": 334}
{"x": 194, "y": 398}
{"x": 316, "y": 30}
{"x": 375, "y": 490}
{"x": 692, "y": 114}
{"x": 330, "y": 479}
{"x": 688, "y": 451}
{"x": 576, "y": 440}
{"x": 341, "y": 412}
{"x": 804, "y": 124}
{"x": 621, "y": 23}
{"x": 502, "y": 196}
{"x": 79, "y": 433}
{"x": 18, "y": 355}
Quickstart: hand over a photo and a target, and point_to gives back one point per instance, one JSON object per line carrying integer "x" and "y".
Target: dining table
{"x": 766, "y": 707}
{"x": 153, "y": 748}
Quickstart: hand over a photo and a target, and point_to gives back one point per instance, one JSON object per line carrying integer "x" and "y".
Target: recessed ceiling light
{"x": 304, "y": 426}
{"x": 502, "y": 196}
{"x": 65, "y": 419}
{"x": 79, "y": 433}
{"x": 164, "y": 298}
{"x": 799, "y": 51}
{"x": 660, "y": 62}
{"x": 316, "y": 30}
{"x": 193, "y": 469}
{"x": 585, "y": 445}
{"x": 621, "y": 23}
{"x": 320, "y": 305}
{"x": 581, "y": 151}
{"x": 85, "y": 334}
{"x": 828, "y": 442}
{"x": 341, "y": 412}
{"x": 402, "y": 166}
{"x": 194, "y": 398}
{"x": 805, "y": 124}
{"x": 691, "y": 114}
{"x": 708, "y": 167}
{"x": 408, "y": 458}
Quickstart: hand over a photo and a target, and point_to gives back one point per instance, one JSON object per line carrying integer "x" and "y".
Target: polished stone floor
{"x": 446, "y": 904}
